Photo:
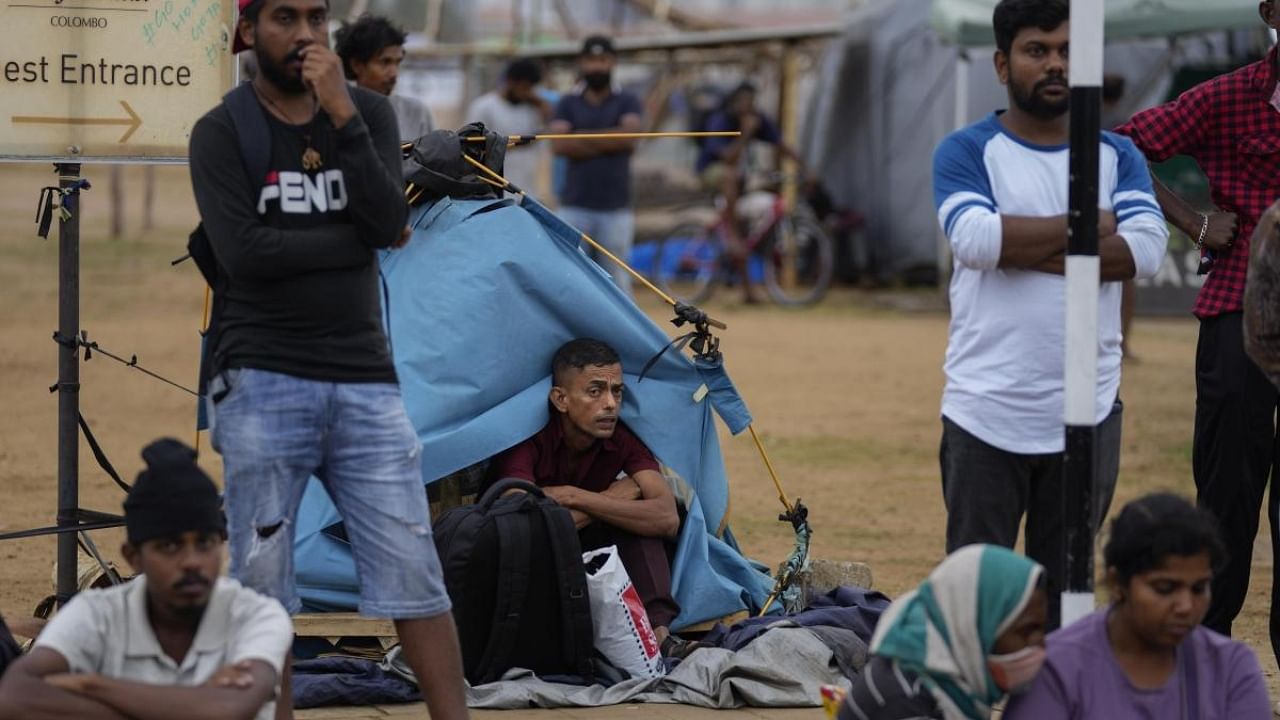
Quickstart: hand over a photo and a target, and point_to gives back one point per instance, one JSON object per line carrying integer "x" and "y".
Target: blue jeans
{"x": 614, "y": 229}
{"x": 275, "y": 431}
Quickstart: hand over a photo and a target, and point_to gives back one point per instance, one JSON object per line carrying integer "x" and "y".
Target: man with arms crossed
{"x": 587, "y": 460}
{"x": 1000, "y": 186}
{"x": 303, "y": 379}
{"x": 597, "y": 190}
{"x": 175, "y": 641}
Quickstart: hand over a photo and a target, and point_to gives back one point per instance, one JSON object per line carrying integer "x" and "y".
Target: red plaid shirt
{"x": 1228, "y": 126}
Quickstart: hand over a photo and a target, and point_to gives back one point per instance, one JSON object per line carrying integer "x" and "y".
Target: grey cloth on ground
{"x": 850, "y": 651}
{"x": 710, "y": 678}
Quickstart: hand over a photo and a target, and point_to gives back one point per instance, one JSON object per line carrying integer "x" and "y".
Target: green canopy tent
{"x": 967, "y": 23}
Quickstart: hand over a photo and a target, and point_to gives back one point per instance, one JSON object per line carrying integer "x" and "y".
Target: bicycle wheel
{"x": 798, "y": 261}
{"x": 686, "y": 263}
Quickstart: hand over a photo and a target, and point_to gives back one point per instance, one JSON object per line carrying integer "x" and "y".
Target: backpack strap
{"x": 514, "y": 540}
{"x": 250, "y": 125}
{"x": 571, "y": 577}
{"x": 495, "y": 491}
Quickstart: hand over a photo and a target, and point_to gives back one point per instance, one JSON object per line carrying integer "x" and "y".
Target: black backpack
{"x": 513, "y": 569}
{"x": 254, "y": 136}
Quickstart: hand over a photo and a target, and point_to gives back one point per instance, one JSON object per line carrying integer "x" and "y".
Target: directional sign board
{"x": 109, "y": 80}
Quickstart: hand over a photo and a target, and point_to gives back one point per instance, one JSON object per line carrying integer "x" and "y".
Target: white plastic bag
{"x": 621, "y": 630}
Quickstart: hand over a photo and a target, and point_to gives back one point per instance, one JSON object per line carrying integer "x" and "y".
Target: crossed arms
{"x": 1031, "y": 243}
{"x": 641, "y": 504}
{"x": 40, "y": 686}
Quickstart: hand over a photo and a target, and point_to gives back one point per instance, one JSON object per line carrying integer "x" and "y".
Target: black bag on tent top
{"x": 513, "y": 569}
{"x": 440, "y": 170}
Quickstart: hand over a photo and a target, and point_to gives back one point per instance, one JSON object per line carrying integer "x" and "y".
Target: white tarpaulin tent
{"x": 968, "y": 22}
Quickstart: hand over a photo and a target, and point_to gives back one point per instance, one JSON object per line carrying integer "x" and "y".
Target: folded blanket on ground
{"x": 710, "y": 678}
{"x": 850, "y": 608}
{"x": 348, "y": 681}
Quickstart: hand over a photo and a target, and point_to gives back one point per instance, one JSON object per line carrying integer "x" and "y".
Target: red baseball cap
{"x": 237, "y": 44}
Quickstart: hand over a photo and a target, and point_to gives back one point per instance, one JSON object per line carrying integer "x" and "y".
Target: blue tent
{"x": 478, "y": 301}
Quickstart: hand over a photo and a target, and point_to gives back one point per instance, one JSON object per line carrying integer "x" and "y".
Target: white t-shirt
{"x": 1004, "y": 362}
{"x": 107, "y": 632}
{"x": 521, "y": 165}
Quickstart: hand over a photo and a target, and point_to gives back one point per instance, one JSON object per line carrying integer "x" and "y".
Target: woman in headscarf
{"x": 1146, "y": 656}
{"x": 970, "y": 634}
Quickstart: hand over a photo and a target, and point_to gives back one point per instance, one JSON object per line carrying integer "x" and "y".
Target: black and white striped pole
{"x": 1082, "y": 281}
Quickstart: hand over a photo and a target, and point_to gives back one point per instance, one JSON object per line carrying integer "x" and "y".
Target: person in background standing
{"x": 372, "y": 50}
{"x": 516, "y": 108}
{"x": 597, "y": 192}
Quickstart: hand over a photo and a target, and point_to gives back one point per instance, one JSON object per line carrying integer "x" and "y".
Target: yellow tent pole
{"x": 768, "y": 603}
{"x": 782, "y": 495}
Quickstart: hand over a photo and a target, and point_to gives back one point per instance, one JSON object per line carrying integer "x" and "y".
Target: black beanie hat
{"x": 172, "y": 496}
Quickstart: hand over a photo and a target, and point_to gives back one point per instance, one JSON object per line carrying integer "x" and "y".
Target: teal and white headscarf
{"x": 945, "y": 629}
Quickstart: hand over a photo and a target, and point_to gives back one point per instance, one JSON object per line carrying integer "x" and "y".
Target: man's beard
{"x": 279, "y": 76}
{"x": 1035, "y": 105}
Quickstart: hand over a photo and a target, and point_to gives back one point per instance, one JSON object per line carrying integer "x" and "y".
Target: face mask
{"x": 597, "y": 80}
{"x": 1014, "y": 672}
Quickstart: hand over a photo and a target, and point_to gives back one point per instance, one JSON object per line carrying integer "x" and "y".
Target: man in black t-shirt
{"x": 303, "y": 379}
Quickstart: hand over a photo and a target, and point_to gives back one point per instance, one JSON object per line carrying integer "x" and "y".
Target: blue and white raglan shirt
{"x": 1004, "y": 363}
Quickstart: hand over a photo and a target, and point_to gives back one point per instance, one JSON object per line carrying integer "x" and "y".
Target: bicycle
{"x": 791, "y": 252}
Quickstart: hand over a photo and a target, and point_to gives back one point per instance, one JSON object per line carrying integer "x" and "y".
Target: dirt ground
{"x": 845, "y": 396}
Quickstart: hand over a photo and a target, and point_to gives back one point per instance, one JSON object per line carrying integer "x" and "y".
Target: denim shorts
{"x": 274, "y": 432}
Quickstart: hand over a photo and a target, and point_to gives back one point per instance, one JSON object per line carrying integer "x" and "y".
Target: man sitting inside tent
{"x": 589, "y": 462}
{"x": 176, "y": 641}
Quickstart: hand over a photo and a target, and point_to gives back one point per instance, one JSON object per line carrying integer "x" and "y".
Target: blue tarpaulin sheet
{"x": 478, "y": 302}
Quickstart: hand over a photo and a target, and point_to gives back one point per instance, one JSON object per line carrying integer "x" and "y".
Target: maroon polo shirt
{"x": 543, "y": 459}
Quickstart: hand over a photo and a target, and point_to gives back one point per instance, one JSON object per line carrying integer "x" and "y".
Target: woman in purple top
{"x": 1146, "y": 655}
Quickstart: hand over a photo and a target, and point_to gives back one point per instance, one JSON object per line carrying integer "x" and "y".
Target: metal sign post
{"x": 68, "y": 387}
{"x": 1082, "y": 282}
{"x": 118, "y": 81}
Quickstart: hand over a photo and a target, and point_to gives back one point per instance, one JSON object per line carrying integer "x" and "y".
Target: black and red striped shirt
{"x": 1230, "y": 128}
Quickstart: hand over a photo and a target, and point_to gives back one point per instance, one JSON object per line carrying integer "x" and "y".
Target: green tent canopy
{"x": 968, "y": 22}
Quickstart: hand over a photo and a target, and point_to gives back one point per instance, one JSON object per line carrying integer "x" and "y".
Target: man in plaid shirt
{"x": 1231, "y": 127}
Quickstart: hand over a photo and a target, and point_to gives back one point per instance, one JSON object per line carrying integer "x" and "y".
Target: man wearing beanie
{"x": 177, "y": 640}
